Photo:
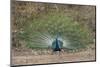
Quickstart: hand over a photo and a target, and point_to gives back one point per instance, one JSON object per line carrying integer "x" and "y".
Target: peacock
{"x": 57, "y": 44}
{"x": 43, "y": 32}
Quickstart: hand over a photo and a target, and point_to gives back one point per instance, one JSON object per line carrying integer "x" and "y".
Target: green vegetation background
{"x": 30, "y": 20}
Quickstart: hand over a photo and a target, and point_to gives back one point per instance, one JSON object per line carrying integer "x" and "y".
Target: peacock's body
{"x": 57, "y": 45}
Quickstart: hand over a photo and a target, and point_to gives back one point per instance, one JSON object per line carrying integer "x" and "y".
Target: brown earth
{"x": 36, "y": 57}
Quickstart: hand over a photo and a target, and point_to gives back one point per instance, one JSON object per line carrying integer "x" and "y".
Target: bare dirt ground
{"x": 25, "y": 57}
